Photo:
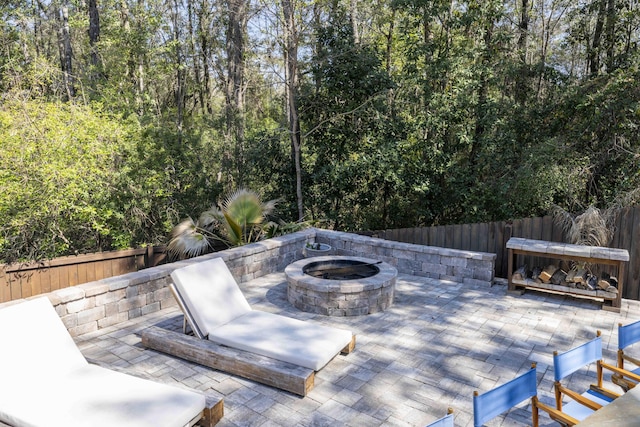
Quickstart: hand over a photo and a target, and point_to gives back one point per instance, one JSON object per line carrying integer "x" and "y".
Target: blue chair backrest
{"x": 628, "y": 334}
{"x": 446, "y": 421}
{"x": 504, "y": 397}
{"x": 570, "y": 361}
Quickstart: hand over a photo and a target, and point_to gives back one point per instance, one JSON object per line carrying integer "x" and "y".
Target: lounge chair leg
{"x": 350, "y": 347}
{"x": 213, "y": 412}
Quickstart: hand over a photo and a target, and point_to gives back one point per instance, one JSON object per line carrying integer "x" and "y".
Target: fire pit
{"x": 340, "y": 285}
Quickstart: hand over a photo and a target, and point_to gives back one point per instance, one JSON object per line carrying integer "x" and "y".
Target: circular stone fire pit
{"x": 340, "y": 285}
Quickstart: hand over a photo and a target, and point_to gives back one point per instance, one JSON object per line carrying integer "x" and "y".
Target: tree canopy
{"x": 120, "y": 118}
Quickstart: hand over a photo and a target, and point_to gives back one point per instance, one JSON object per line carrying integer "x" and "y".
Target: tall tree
{"x": 65, "y": 49}
{"x": 523, "y": 73}
{"x": 179, "y": 91}
{"x": 237, "y": 15}
{"x": 94, "y": 31}
{"x": 291, "y": 92}
{"x": 594, "y": 49}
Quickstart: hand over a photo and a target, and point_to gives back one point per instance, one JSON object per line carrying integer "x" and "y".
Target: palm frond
{"x": 234, "y": 229}
{"x": 210, "y": 218}
{"x": 187, "y": 241}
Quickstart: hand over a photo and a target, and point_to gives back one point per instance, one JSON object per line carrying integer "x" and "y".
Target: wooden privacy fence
{"x": 493, "y": 236}
{"x": 25, "y": 280}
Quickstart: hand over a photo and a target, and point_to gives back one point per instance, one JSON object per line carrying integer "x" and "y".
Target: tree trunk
{"x": 594, "y": 50}
{"x": 94, "y": 31}
{"x": 483, "y": 91}
{"x": 353, "y": 18}
{"x": 610, "y": 39}
{"x": 205, "y": 47}
{"x": 192, "y": 53}
{"x": 388, "y": 51}
{"x": 66, "y": 52}
{"x": 236, "y": 28}
{"x": 521, "y": 83}
{"x": 179, "y": 90}
{"x": 291, "y": 83}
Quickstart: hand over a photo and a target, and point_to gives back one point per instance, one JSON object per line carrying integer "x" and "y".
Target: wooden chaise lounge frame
{"x": 196, "y": 348}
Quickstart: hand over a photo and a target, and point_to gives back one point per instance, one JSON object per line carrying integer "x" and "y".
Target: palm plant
{"x": 241, "y": 218}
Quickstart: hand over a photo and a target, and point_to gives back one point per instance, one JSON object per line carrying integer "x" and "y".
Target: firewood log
{"x": 580, "y": 276}
{"x": 603, "y": 284}
{"x": 520, "y": 273}
{"x": 535, "y": 274}
{"x": 546, "y": 274}
{"x": 559, "y": 277}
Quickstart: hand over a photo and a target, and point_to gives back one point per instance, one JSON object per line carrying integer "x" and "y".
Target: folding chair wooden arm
{"x": 554, "y": 414}
{"x": 622, "y": 377}
{"x": 562, "y": 390}
{"x": 622, "y": 356}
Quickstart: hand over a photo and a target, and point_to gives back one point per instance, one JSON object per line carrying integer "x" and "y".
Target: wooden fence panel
{"x": 55, "y": 276}
{"x": 633, "y": 269}
{"x": 424, "y": 236}
{"x": 25, "y": 280}
{"x": 440, "y": 237}
{"x": 36, "y": 282}
{"x": 536, "y": 228}
{"x": 547, "y": 228}
{"x": 465, "y": 236}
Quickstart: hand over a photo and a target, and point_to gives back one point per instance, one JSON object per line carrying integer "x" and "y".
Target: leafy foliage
{"x": 59, "y": 171}
{"x": 412, "y": 113}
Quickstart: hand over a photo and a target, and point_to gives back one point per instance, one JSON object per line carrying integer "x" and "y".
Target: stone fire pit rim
{"x": 295, "y": 274}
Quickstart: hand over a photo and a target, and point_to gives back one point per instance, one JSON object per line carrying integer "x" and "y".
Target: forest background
{"x": 119, "y": 118}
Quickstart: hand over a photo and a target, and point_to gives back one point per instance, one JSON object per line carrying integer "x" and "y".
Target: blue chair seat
{"x": 579, "y": 411}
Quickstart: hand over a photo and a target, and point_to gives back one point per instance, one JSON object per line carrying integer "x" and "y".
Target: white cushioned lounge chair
{"x": 217, "y": 310}
{"x": 46, "y": 381}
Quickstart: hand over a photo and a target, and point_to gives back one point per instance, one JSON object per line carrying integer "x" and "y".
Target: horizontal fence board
{"x": 23, "y": 280}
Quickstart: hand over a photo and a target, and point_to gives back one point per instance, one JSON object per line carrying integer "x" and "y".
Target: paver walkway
{"x": 437, "y": 343}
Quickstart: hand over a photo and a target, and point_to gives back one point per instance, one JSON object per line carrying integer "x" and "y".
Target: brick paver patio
{"x": 430, "y": 350}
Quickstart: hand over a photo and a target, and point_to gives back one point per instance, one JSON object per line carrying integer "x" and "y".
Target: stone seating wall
{"x": 91, "y": 306}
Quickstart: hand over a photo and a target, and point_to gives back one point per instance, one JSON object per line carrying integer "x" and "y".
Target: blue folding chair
{"x": 502, "y": 398}
{"x": 565, "y": 364}
{"x": 627, "y": 335}
{"x": 446, "y": 421}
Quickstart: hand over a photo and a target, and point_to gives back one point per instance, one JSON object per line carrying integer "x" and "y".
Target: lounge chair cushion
{"x": 210, "y": 293}
{"x": 33, "y": 337}
{"x": 46, "y": 381}
{"x": 95, "y": 396}
{"x": 220, "y": 310}
{"x": 283, "y": 338}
